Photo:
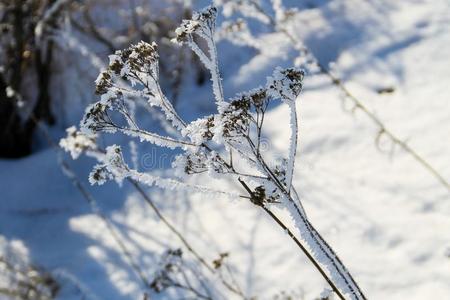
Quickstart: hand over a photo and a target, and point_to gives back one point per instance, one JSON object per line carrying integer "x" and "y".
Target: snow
{"x": 385, "y": 215}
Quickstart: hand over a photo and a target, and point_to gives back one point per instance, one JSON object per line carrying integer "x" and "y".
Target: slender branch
{"x": 215, "y": 74}
{"x": 201, "y": 55}
{"x": 313, "y": 234}
{"x": 154, "y": 138}
{"x": 358, "y": 104}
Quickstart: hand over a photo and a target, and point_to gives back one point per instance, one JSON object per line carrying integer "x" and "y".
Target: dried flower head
{"x": 99, "y": 175}
{"x": 139, "y": 58}
{"x": 103, "y": 83}
{"x": 217, "y": 263}
{"x": 112, "y": 166}
{"x": 170, "y": 265}
{"x": 285, "y": 84}
{"x": 201, "y": 23}
{"x": 200, "y": 162}
{"x": 258, "y": 98}
{"x": 280, "y": 171}
{"x": 237, "y": 114}
{"x": 133, "y": 63}
{"x": 236, "y": 118}
{"x": 199, "y": 131}
{"x": 96, "y": 119}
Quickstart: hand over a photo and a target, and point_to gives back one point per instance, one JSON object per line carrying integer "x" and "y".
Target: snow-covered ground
{"x": 384, "y": 214}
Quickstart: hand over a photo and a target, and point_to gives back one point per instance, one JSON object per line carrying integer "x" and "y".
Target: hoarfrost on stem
{"x": 227, "y": 143}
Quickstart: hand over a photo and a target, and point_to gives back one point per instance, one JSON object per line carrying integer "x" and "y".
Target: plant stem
{"x": 358, "y": 104}
{"x": 305, "y": 251}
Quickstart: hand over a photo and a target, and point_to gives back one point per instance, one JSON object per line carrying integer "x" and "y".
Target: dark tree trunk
{"x": 15, "y": 133}
{"x": 42, "y": 110}
{"x": 15, "y": 137}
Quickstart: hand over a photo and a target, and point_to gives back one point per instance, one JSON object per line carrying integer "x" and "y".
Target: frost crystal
{"x": 199, "y": 131}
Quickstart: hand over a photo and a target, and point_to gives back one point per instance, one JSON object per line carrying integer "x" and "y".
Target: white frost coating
{"x": 169, "y": 110}
{"x": 236, "y": 129}
{"x": 202, "y": 25}
{"x": 287, "y": 85}
{"x": 114, "y": 167}
{"x": 99, "y": 175}
{"x": 146, "y": 74}
{"x": 158, "y": 139}
{"x": 321, "y": 251}
{"x": 292, "y": 145}
{"x": 215, "y": 74}
{"x": 196, "y": 130}
{"x": 173, "y": 184}
{"x": 201, "y": 55}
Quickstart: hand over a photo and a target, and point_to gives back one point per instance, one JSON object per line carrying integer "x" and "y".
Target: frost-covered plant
{"x": 224, "y": 144}
{"x": 19, "y": 279}
{"x": 146, "y": 20}
{"x": 283, "y": 20}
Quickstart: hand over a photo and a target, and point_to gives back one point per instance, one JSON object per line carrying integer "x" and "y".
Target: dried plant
{"x": 226, "y": 144}
{"x": 80, "y": 143}
{"x": 281, "y": 21}
{"x": 134, "y": 21}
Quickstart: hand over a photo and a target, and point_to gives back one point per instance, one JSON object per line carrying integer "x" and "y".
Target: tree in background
{"x": 25, "y": 61}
